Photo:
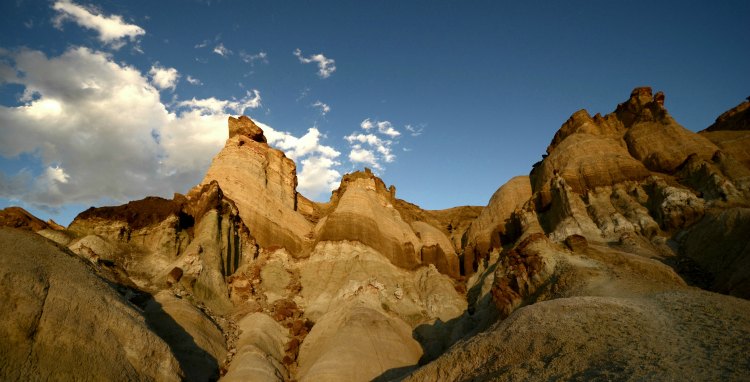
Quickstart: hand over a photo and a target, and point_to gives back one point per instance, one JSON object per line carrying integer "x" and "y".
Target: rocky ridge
{"x": 244, "y": 278}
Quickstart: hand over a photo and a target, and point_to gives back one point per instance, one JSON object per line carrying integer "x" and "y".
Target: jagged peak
{"x": 245, "y": 126}
{"x": 370, "y": 179}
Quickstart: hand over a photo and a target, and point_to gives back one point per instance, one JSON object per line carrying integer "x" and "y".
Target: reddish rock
{"x": 576, "y": 243}
{"x": 174, "y": 276}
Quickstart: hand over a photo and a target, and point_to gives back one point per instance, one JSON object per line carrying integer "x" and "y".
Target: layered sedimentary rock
{"x": 578, "y": 271}
{"x": 262, "y": 182}
{"x": 495, "y": 224}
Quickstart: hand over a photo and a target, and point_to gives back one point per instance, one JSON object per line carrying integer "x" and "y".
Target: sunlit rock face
{"x": 588, "y": 268}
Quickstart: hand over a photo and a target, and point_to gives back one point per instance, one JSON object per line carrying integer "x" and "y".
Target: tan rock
{"x": 355, "y": 342}
{"x": 436, "y": 249}
{"x": 364, "y": 211}
{"x": 62, "y": 322}
{"x": 195, "y": 340}
{"x": 260, "y": 350}
{"x": 494, "y": 225}
{"x": 262, "y": 183}
{"x": 246, "y": 127}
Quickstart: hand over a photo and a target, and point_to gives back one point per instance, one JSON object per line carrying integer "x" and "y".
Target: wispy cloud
{"x": 214, "y": 105}
{"x": 415, "y": 131}
{"x": 253, "y": 58}
{"x": 324, "y": 108}
{"x": 326, "y": 66}
{"x": 221, "y": 50}
{"x": 112, "y": 30}
{"x": 164, "y": 78}
{"x": 193, "y": 81}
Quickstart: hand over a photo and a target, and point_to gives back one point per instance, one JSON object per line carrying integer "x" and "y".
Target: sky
{"x": 103, "y": 101}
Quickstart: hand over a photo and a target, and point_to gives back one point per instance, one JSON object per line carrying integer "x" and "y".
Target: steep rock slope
{"x": 262, "y": 182}
{"x": 62, "y": 322}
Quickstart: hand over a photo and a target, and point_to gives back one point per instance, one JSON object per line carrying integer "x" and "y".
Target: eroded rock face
{"x": 335, "y": 351}
{"x": 262, "y": 182}
{"x": 62, "y": 322}
{"x": 495, "y": 225}
{"x": 363, "y": 211}
{"x": 17, "y": 217}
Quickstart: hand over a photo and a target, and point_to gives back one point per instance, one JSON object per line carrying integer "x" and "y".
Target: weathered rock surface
{"x": 569, "y": 273}
{"x": 363, "y": 210}
{"x": 195, "y": 340}
{"x": 356, "y": 342}
{"x": 262, "y": 182}
{"x": 494, "y": 225}
{"x": 260, "y": 351}
{"x": 668, "y": 335}
{"x": 17, "y": 217}
{"x": 62, "y": 322}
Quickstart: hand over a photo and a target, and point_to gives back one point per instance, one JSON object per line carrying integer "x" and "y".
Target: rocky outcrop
{"x": 731, "y": 132}
{"x": 736, "y": 118}
{"x": 669, "y": 335}
{"x": 356, "y": 342}
{"x": 362, "y": 210}
{"x": 260, "y": 351}
{"x": 17, "y": 217}
{"x": 495, "y": 225}
{"x": 262, "y": 182}
{"x": 60, "y": 321}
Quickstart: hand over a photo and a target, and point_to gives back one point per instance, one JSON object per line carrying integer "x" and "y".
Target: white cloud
{"x": 326, "y": 66}
{"x": 363, "y": 156}
{"x": 112, "y": 30}
{"x": 214, "y": 105}
{"x": 221, "y": 50}
{"x": 164, "y": 78}
{"x": 97, "y": 129}
{"x": 366, "y": 124}
{"x": 415, "y": 131}
{"x": 324, "y": 108}
{"x": 252, "y": 58}
{"x": 317, "y": 175}
{"x": 193, "y": 81}
{"x": 374, "y": 147}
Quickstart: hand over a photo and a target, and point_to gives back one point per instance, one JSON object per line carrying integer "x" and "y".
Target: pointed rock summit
{"x": 246, "y": 127}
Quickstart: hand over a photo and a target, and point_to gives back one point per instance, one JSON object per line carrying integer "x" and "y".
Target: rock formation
{"x": 588, "y": 268}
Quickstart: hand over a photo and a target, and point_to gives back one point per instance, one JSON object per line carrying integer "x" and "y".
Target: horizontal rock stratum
{"x": 623, "y": 255}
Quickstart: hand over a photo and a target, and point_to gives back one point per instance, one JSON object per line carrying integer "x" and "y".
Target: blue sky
{"x": 102, "y": 102}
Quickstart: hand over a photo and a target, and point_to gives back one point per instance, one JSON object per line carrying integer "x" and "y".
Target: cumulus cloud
{"x": 326, "y": 66}
{"x": 318, "y": 174}
{"x": 112, "y": 30}
{"x": 252, "y": 58}
{"x": 324, "y": 108}
{"x": 164, "y": 78}
{"x": 98, "y": 129}
{"x": 374, "y": 147}
{"x": 221, "y": 50}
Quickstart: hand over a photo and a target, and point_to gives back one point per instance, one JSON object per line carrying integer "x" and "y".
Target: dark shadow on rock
{"x": 196, "y": 363}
